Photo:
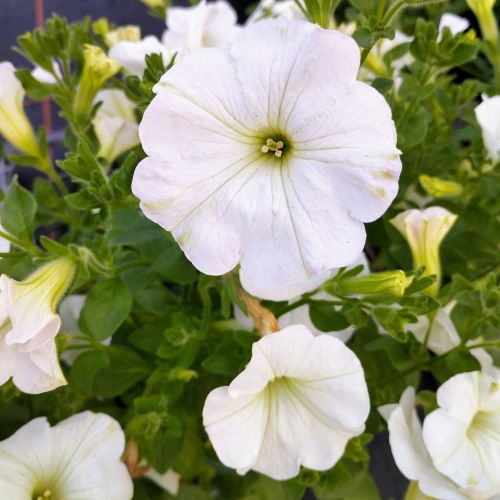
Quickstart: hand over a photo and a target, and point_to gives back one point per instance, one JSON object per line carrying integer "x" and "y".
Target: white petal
{"x": 168, "y": 481}
{"x": 455, "y": 23}
{"x": 487, "y": 115}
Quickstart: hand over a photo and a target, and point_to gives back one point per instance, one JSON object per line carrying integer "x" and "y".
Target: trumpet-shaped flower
{"x": 488, "y": 117}
{"x": 269, "y": 155}
{"x": 207, "y": 24}
{"x": 28, "y": 325}
{"x": 115, "y": 124}
{"x": 132, "y": 55}
{"x": 14, "y": 124}
{"x": 298, "y": 402}
{"x": 77, "y": 458}
{"x": 424, "y": 230}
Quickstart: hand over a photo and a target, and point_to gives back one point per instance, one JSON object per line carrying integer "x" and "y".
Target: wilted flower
{"x": 298, "y": 402}
{"x": 14, "y": 124}
{"x": 130, "y": 33}
{"x": 488, "y": 117}
{"x": 28, "y": 325}
{"x": 77, "y": 458}
{"x": 115, "y": 124}
{"x": 207, "y": 24}
{"x": 132, "y": 55}
{"x": 424, "y": 230}
{"x": 272, "y": 166}
{"x": 97, "y": 69}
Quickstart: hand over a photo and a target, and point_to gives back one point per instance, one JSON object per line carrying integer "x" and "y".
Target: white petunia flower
{"x": 456, "y": 24}
{"x": 4, "y": 243}
{"x": 424, "y": 230}
{"x": 488, "y": 117}
{"x": 132, "y": 55}
{"x": 280, "y": 9}
{"x": 115, "y": 124}
{"x": 300, "y": 315}
{"x": 14, "y": 124}
{"x": 463, "y": 435}
{"x": 28, "y": 325}
{"x": 44, "y": 76}
{"x": 79, "y": 458}
{"x": 207, "y": 24}
{"x": 298, "y": 402}
{"x": 269, "y": 155}
{"x": 409, "y": 450}
{"x": 443, "y": 336}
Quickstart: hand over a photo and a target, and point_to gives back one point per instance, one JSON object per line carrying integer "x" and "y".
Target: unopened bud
{"x": 440, "y": 188}
{"x": 384, "y": 284}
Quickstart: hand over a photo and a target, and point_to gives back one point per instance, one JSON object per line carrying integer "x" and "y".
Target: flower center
{"x": 46, "y": 495}
{"x": 273, "y": 146}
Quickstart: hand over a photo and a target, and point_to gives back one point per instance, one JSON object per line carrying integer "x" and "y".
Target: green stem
{"x": 392, "y": 12}
{"x": 28, "y": 246}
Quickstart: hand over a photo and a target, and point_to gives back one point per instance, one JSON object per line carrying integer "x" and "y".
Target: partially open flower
{"x": 77, "y": 458}
{"x": 28, "y": 325}
{"x": 115, "y": 124}
{"x": 14, "y": 124}
{"x": 298, "y": 402}
{"x": 269, "y": 155}
{"x": 488, "y": 117}
{"x": 207, "y": 24}
{"x": 424, "y": 230}
{"x": 129, "y": 33}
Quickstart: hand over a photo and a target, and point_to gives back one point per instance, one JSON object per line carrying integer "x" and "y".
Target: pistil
{"x": 275, "y": 146}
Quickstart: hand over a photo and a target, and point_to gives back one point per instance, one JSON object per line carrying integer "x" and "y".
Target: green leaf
{"x": 326, "y": 319}
{"x": 107, "y": 305}
{"x": 85, "y": 367}
{"x": 18, "y": 212}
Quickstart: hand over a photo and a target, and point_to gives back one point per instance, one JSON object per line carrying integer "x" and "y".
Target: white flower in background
{"x": 463, "y": 435}
{"x": 132, "y": 55}
{"x": 28, "y": 325}
{"x": 115, "y": 124}
{"x": 269, "y": 155}
{"x": 443, "y": 336}
{"x": 424, "y": 230}
{"x": 79, "y": 458}
{"x": 44, "y": 76}
{"x": 4, "y": 243}
{"x": 14, "y": 124}
{"x": 280, "y": 9}
{"x": 169, "y": 481}
{"x": 300, "y": 315}
{"x": 207, "y": 24}
{"x": 456, "y": 24}
{"x": 298, "y": 402}
{"x": 488, "y": 117}
{"x": 410, "y": 452}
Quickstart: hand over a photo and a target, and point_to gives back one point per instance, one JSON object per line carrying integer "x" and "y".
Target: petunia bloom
{"x": 269, "y": 155}
{"x": 115, "y": 124}
{"x": 456, "y": 453}
{"x": 132, "y": 55}
{"x": 298, "y": 402}
{"x": 488, "y": 117}
{"x": 206, "y": 24}
{"x": 14, "y": 124}
{"x": 424, "y": 230}
{"x": 28, "y": 325}
{"x": 77, "y": 458}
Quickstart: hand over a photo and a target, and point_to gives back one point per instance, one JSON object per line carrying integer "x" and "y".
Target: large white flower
{"x": 132, "y": 55}
{"x": 207, "y": 24}
{"x": 409, "y": 450}
{"x": 269, "y": 155}
{"x": 298, "y": 402}
{"x": 463, "y": 435}
{"x": 14, "y": 124}
{"x": 28, "y": 325}
{"x": 300, "y": 315}
{"x": 79, "y": 458}
{"x": 488, "y": 117}
{"x": 115, "y": 124}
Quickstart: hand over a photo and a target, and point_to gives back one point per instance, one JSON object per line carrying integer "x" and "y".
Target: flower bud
{"x": 483, "y": 10}
{"x": 97, "y": 68}
{"x": 129, "y": 33}
{"x": 14, "y": 124}
{"x": 424, "y": 230}
{"x": 384, "y": 284}
{"x": 440, "y": 188}
{"x": 153, "y": 3}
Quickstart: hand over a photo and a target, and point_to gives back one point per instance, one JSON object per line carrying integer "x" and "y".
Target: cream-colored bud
{"x": 385, "y": 284}
{"x": 440, "y": 188}
{"x": 129, "y": 33}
